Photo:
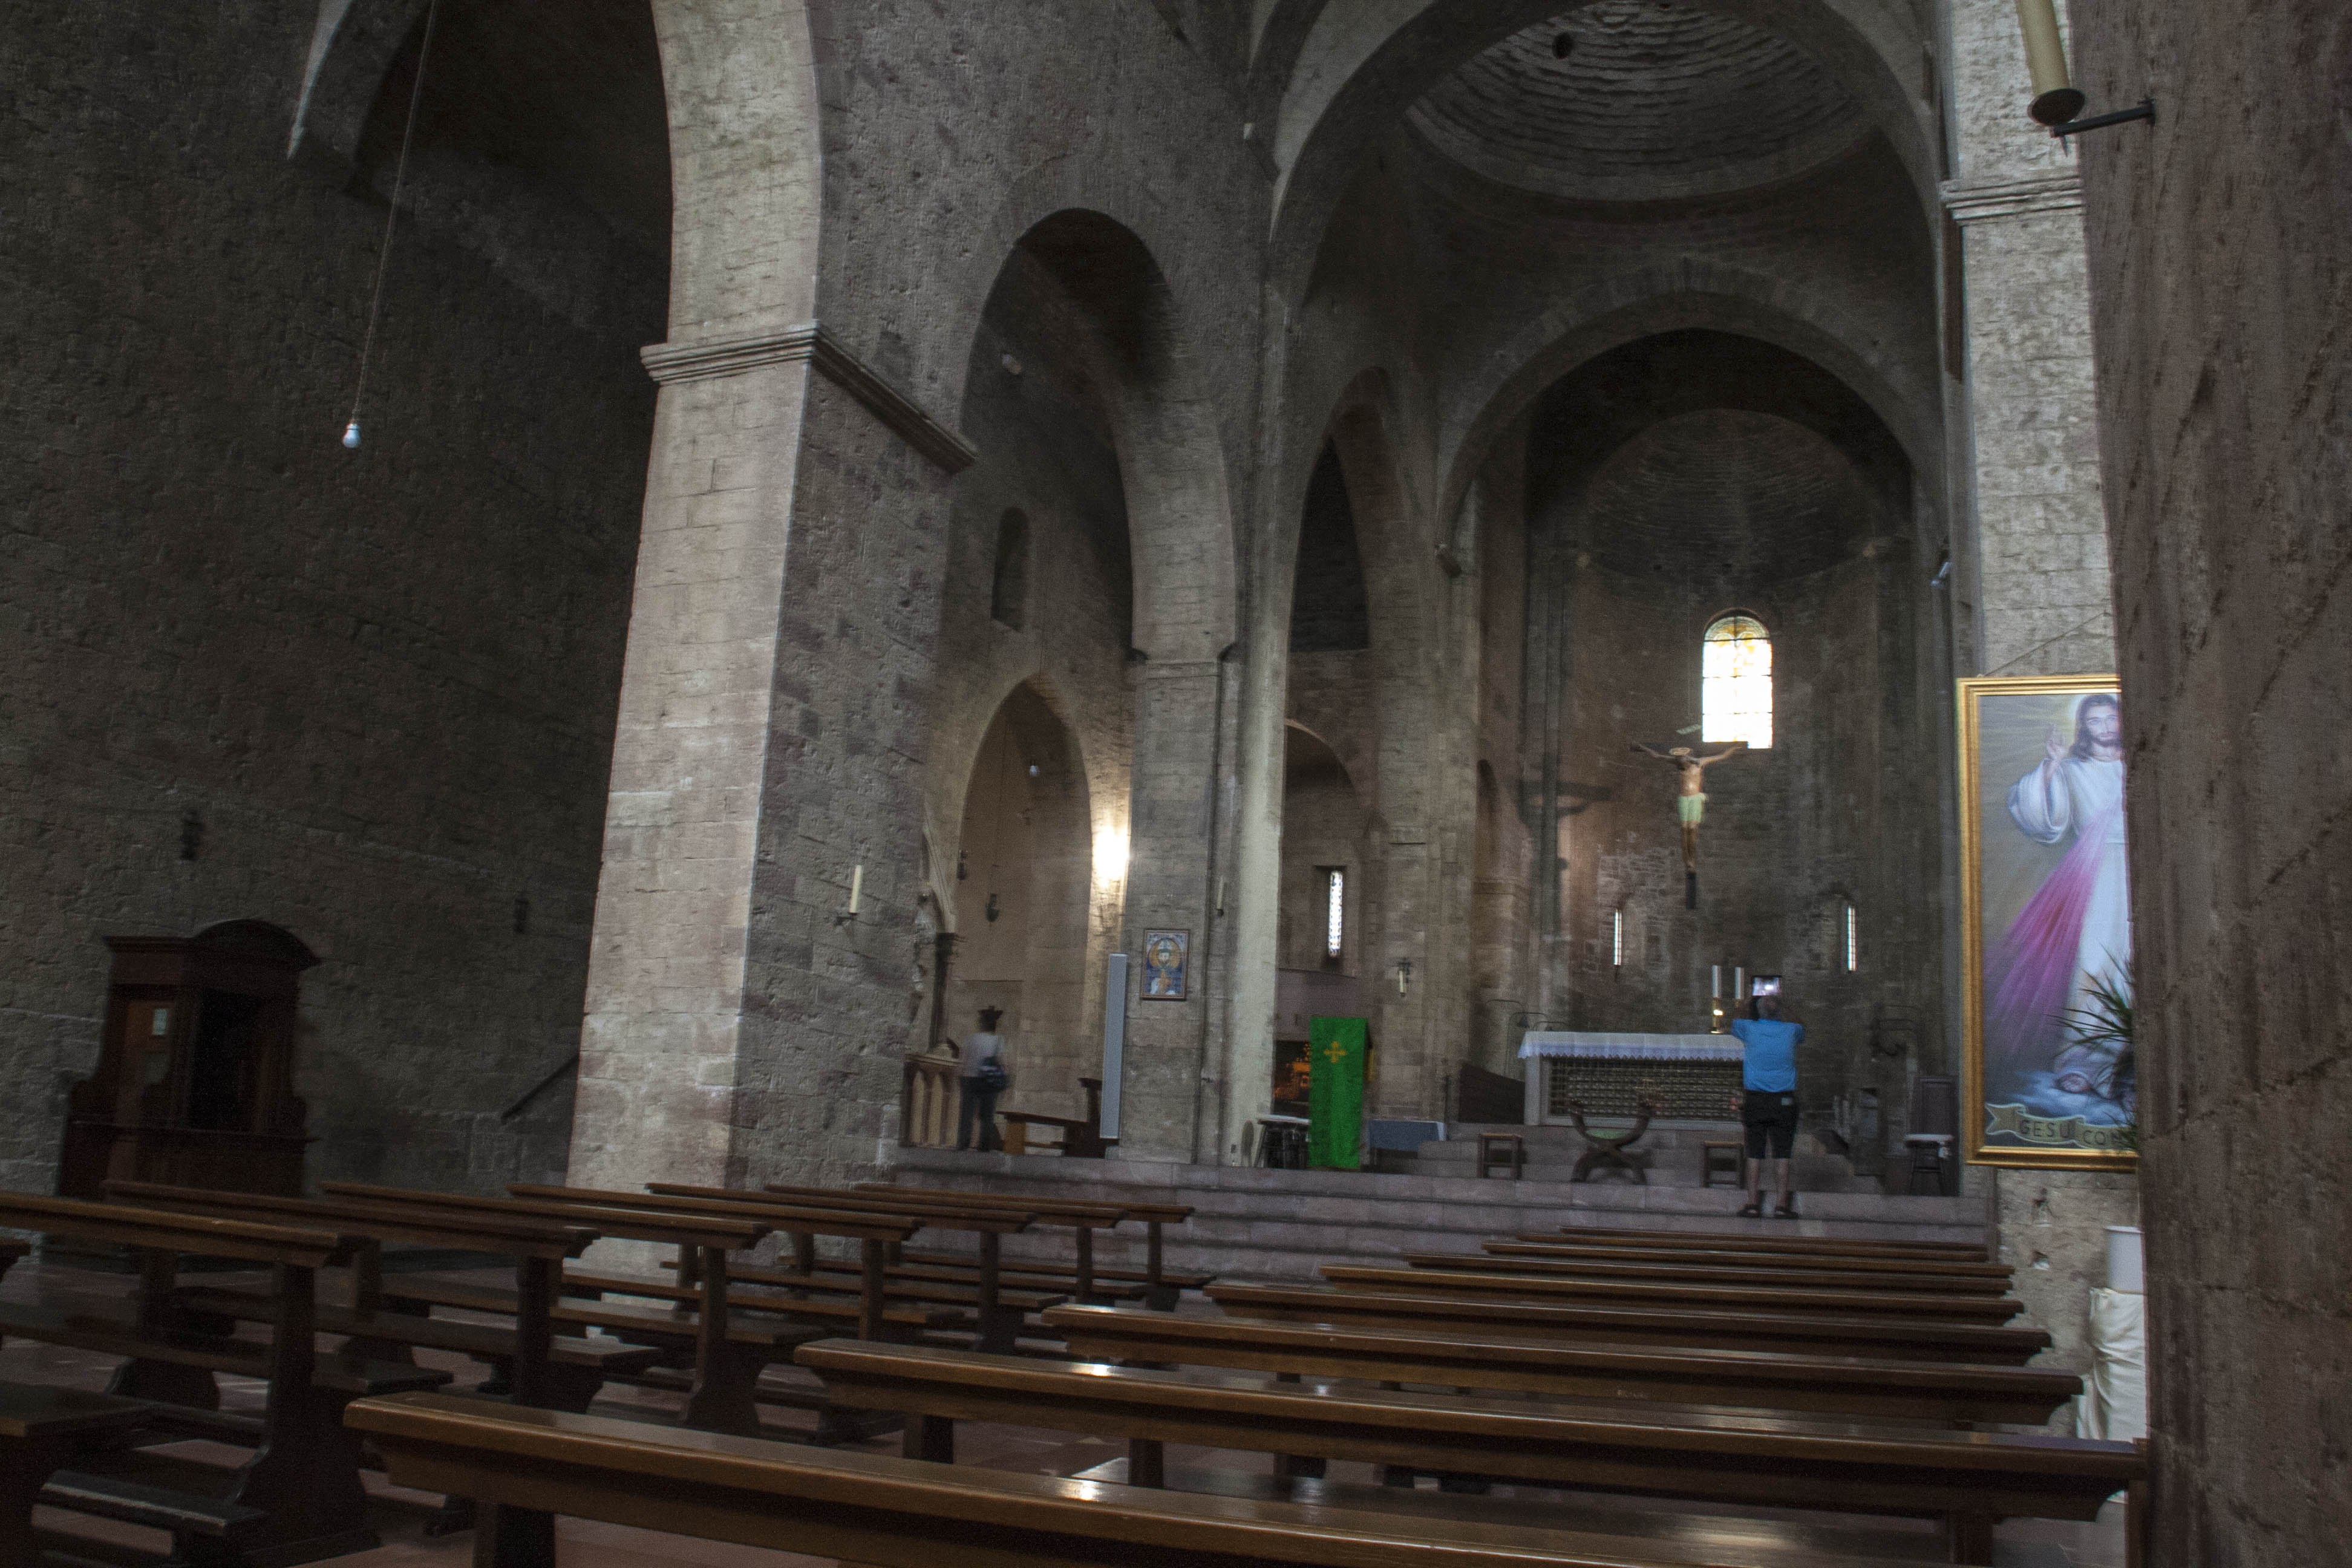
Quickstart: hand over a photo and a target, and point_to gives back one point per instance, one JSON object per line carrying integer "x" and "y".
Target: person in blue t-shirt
{"x": 1767, "y": 1101}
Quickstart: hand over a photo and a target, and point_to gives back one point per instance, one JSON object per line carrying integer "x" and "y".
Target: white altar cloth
{"x": 1629, "y": 1048}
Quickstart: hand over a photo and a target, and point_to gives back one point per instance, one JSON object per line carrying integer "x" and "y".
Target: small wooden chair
{"x": 1928, "y": 1151}
{"x": 1494, "y": 1146}
{"x": 1719, "y": 1158}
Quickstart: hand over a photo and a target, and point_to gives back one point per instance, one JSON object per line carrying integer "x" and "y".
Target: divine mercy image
{"x": 2055, "y": 1068}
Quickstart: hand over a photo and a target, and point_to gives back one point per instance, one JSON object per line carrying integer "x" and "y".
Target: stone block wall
{"x": 2221, "y": 279}
{"x": 375, "y": 689}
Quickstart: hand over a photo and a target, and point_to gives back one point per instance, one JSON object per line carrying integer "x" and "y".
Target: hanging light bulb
{"x": 352, "y": 436}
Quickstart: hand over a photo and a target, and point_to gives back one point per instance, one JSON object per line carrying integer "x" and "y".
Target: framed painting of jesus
{"x": 2049, "y": 1077}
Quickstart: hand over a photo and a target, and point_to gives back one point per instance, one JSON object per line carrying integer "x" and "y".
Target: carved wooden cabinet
{"x": 196, "y": 1078}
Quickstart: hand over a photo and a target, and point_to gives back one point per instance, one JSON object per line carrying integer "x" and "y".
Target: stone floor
{"x": 401, "y": 1514}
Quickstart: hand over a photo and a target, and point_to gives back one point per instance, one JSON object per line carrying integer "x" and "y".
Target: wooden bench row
{"x": 1636, "y": 1322}
{"x": 299, "y": 1497}
{"x": 1971, "y": 1480}
{"x": 871, "y": 1511}
{"x": 1435, "y": 1275}
{"x": 1931, "y": 1392}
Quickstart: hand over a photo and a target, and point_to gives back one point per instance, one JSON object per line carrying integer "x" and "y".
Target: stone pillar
{"x": 2039, "y": 585}
{"x": 1185, "y": 720}
{"x": 665, "y": 1001}
{"x": 742, "y": 1022}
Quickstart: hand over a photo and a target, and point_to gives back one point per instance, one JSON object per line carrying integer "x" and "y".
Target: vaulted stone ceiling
{"x": 1652, "y": 100}
{"x": 1725, "y": 495}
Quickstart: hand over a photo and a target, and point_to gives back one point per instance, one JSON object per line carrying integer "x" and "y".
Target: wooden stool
{"x": 1511, "y": 1146}
{"x": 1928, "y": 1151}
{"x": 1709, "y": 1154}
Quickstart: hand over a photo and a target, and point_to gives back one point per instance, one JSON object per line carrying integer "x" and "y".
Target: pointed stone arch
{"x": 1689, "y": 293}
{"x": 1023, "y": 897}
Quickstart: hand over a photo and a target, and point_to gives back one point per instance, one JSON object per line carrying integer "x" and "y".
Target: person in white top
{"x": 983, "y": 1076}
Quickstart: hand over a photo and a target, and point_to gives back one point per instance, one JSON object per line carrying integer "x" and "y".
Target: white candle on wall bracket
{"x": 856, "y": 889}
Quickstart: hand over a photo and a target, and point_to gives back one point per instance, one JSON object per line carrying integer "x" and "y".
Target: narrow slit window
{"x": 1736, "y": 682}
{"x": 1850, "y": 964}
{"x": 1335, "y": 911}
{"x": 1008, "y": 593}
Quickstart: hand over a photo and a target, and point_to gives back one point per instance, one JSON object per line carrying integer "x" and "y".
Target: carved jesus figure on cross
{"x": 1692, "y": 801}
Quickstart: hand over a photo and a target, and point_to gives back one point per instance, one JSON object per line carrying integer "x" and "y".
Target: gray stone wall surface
{"x": 2221, "y": 284}
{"x": 946, "y": 140}
{"x": 379, "y": 683}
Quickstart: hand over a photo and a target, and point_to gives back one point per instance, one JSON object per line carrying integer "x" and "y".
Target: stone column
{"x": 2040, "y": 584}
{"x": 1184, "y": 725}
{"x": 665, "y": 1001}
{"x": 743, "y": 1022}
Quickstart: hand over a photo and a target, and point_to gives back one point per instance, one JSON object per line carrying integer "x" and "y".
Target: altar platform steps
{"x": 1669, "y": 1153}
{"x": 1279, "y": 1225}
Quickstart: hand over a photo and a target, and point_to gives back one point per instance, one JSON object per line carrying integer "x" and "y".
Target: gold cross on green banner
{"x": 1335, "y": 1093}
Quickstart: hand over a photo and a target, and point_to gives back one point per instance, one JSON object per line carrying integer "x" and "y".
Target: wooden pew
{"x": 1432, "y": 1281}
{"x": 1971, "y": 1480}
{"x": 989, "y": 1300}
{"x": 729, "y": 1345}
{"x": 1162, "y": 1284}
{"x": 643, "y": 1218}
{"x": 872, "y": 1233}
{"x": 1082, "y": 1219}
{"x": 532, "y": 1363}
{"x": 1553, "y": 1246}
{"x": 304, "y": 1475}
{"x": 1495, "y": 1260}
{"x": 1767, "y": 1241}
{"x": 536, "y": 1364}
{"x": 869, "y": 1510}
{"x": 38, "y": 1427}
{"x": 728, "y": 1348}
{"x": 1938, "y": 1393}
{"x": 1638, "y": 1324}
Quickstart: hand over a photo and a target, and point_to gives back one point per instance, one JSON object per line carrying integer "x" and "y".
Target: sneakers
{"x": 1788, "y": 1209}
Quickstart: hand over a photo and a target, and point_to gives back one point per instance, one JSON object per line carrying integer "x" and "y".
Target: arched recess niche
{"x": 1090, "y": 423}
{"x": 493, "y": 511}
{"x": 1021, "y": 888}
{"x": 1669, "y": 481}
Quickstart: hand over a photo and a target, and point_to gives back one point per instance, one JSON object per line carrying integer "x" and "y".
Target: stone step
{"x": 1251, "y": 1223}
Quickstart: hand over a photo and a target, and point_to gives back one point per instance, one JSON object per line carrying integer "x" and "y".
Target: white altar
{"x": 1537, "y": 1047}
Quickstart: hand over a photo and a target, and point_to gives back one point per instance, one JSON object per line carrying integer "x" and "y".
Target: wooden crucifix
{"x": 1691, "y": 804}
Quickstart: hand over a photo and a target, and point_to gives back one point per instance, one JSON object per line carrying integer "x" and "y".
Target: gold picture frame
{"x": 2045, "y": 914}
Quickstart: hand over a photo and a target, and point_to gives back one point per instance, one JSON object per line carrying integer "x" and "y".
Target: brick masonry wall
{"x": 382, "y": 681}
{"x": 2221, "y": 279}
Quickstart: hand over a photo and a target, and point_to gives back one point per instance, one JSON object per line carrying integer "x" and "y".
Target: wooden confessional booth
{"x": 194, "y": 1084}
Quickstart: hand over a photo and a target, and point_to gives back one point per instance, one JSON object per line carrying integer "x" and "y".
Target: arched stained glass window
{"x": 1735, "y": 687}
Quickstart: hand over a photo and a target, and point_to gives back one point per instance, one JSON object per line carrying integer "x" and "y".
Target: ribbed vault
{"x": 1650, "y": 100}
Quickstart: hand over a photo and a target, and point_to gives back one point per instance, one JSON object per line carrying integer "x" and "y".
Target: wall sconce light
{"x": 2056, "y": 100}
{"x": 1404, "y": 975}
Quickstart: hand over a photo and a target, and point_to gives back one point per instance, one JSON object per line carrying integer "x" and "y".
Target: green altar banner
{"x": 1335, "y": 1093}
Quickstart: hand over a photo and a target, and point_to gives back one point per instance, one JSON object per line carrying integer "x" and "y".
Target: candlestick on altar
{"x": 1715, "y": 981}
